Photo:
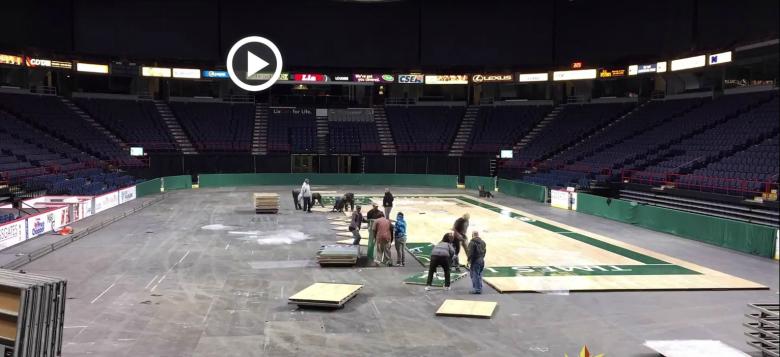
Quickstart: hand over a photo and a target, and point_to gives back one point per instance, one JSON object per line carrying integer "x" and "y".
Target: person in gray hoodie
{"x": 441, "y": 256}
{"x": 476, "y": 255}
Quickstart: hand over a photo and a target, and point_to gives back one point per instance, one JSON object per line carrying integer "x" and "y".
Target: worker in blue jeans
{"x": 476, "y": 258}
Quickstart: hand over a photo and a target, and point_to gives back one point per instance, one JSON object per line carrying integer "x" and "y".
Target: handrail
{"x": 699, "y": 182}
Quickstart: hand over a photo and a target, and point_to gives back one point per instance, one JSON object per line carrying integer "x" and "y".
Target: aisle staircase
{"x": 260, "y": 130}
{"x": 94, "y": 123}
{"x": 383, "y": 130}
{"x": 575, "y": 146}
{"x": 527, "y": 138}
{"x": 183, "y": 142}
{"x": 464, "y": 131}
{"x": 322, "y": 135}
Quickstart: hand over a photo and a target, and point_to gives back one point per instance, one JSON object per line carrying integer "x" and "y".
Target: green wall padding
{"x": 295, "y": 179}
{"x": 741, "y": 236}
{"x": 473, "y": 182}
{"x": 523, "y": 189}
{"x": 147, "y": 188}
{"x": 180, "y": 182}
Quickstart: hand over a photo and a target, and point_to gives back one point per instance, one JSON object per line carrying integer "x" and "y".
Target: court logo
{"x": 584, "y": 352}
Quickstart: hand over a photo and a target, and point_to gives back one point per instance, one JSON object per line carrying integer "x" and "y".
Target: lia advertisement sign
{"x": 309, "y": 77}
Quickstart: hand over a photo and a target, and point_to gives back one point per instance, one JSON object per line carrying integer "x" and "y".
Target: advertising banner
{"x": 191, "y": 73}
{"x": 36, "y": 62}
{"x": 91, "y": 68}
{"x": 559, "y": 199}
{"x": 446, "y": 79}
{"x": 106, "y": 201}
{"x": 12, "y": 233}
{"x": 718, "y": 58}
{"x": 612, "y": 72}
{"x": 342, "y": 78}
{"x": 659, "y": 67}
{"x": 10, "y": 59}
{"x": 533, "y": 77}
{"x": 374, "y": 78}
{"x": 411, "y": 78}
{"x": 563, "y": 199}
{"x": 688, "y": 63}
{"x": 309, "y": 77}
{"x": 491, "y": 78}
{"x": 62, "y": 64}
{"x": 46, "y": 222}
{"x": 127, "y": 194}
{"x": 215, "y": 74}
{"x": 574, "y": 75}
{"x": 155, "y": 72}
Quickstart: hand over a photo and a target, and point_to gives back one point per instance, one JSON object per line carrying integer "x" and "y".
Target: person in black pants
{"x": 387, "y": 202}
{"x": 441, "y": 256}
{"x": 316, "y": 198}
{"x": 295, "y": 194}
{"x": 349, "y": 199}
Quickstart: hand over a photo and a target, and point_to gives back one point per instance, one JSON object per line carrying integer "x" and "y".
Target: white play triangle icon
{"x": 254, "y": 64}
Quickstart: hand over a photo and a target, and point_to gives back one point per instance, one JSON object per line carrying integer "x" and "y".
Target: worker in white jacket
{"x": 306, "y": 195}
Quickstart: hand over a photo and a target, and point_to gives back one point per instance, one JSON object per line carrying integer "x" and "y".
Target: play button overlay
{"x": 254, "y": 63}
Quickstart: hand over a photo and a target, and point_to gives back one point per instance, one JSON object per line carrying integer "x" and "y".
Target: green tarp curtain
{"x": 741, "y": 236}
{"x": 147, "y": 188}
{"x": 523, "y": 189}
{"x": 177, "y": 182}
{"x": 227, "y": 180}
{"x": 473, "y": 182}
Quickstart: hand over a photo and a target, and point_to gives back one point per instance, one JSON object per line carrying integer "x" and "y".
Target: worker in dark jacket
{"x": 349, "y": 198}
{"x": 441, "y": 256}
{"x": 476, "y": 257}
{"x": 484, "y": 193}
{"x": 338, "y": 206}
{"x": 316, "y": 198}
{"x": 374, "y": 212}
{"x": 460, "y": 228}
{"x": 387, "y": 202}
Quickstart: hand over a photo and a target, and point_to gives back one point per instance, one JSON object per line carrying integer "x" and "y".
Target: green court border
{"x": 650, "y": 266}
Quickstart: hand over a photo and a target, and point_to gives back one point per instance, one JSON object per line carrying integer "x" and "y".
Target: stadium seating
{"x": 665, "y": 139}
{"x": 648, "y": 116}
{"x": 573, "y": 123}
{"x": 500, "y": 127}
{"x": 352, "y": 131}
{"x": 216, "y": 126}
{"x": 136, "y": 122}
{"x": 49, "y": 114}
{"x": 292, "y": 130}
{"x": 424, "y": 129}
{"x": 26, "y": 151}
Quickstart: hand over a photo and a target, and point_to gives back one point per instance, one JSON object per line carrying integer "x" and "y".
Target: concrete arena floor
{"x": 156, "y": 284}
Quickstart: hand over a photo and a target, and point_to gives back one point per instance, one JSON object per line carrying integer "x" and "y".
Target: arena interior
{"x": 389, "y": 178}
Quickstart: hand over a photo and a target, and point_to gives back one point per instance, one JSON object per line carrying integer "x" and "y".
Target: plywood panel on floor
{"x": 467, "y": 308}
{"x": 327, "y": 293}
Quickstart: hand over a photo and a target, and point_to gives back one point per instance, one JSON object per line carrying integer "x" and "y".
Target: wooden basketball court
{"x": 526, "y": 253}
